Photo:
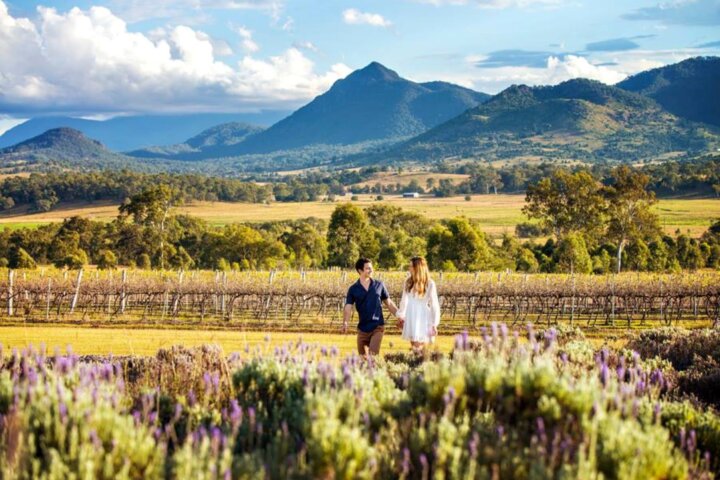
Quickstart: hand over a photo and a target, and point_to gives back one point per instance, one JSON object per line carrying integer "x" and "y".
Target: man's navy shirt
{"x": 368, "y": 303}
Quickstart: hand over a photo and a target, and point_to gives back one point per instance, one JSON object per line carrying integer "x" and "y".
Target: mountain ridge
{"x": 688, "y": 89}
{"x": 371, "y": 104}
{"x": 578, "y": 119}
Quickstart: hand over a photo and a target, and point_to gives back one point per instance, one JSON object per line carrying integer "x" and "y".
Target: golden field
{"x": 496, "y": 213}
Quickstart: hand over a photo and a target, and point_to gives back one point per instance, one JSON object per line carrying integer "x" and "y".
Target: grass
{"x": 496, "y": 213}
{"x": 145, "y": 341}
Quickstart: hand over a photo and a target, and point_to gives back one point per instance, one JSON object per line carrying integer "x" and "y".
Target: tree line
{"x": 591, "y": 227}
{"x": 41, "y": 192}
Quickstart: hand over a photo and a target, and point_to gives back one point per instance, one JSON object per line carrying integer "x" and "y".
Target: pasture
{"x": 497, "y": 214}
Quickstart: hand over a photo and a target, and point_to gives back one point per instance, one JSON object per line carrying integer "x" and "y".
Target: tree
{"x": 107, "y": 260}
{"x": 567, "y": 202}
{"x": 151, "y": 208}
{"x": 348, "y": 224}
{"x": 525, "y": 261}
{"x": 306, "y": 244}
{"x": 74, "y": 260}
{"x": 19, "y": 258}
{"x": 144, "y": 261}
{"x": 459, "y": 242}
{"x": 572, "y": 255}
{"x": 628, "y": 208}
{"x": 6, "y": 203}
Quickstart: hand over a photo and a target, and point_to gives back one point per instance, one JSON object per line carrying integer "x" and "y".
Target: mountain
{"x": 206, "y": 144}
{"x": 62, "y": 148}
{"x": 689, "y": 89}
{"x": 578, "y": 119}
{"x": 371, "y": 104}
{"x": 131, "y": 133}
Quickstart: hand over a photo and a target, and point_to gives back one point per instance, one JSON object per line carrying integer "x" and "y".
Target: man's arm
{"x": 390, "y": 305}
{"x": 387, "y": 301}
{"x": 347, "y": 314}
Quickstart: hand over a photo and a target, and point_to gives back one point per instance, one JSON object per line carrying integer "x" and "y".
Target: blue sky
{"x": 108, "y": 57}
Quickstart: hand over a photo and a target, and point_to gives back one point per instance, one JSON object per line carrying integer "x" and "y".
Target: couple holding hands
{"x": 418, "y": 315}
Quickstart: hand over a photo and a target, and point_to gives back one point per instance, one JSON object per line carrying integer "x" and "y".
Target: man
{"x": 368, "y": 296}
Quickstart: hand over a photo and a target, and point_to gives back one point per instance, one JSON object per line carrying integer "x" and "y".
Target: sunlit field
{"x": 496, "y": 213}
{"x": 146, "y": 341}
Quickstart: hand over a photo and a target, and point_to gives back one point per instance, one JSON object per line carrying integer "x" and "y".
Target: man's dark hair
{"x": 360, "y": 264}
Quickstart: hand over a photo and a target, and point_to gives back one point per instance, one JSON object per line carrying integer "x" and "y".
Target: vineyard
{"x": 313, "y": 300}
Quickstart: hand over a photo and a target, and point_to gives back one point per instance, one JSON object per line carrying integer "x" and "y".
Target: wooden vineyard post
{"x": 77, "y": 291}
{"x": 572, "y": 304}
{"x": 123, "y": 292}
{"x": 223, "y": 299}
{"x": 612, "y": 304}
{"x": 47, "y": 303}
{"x": 11, "y": 276}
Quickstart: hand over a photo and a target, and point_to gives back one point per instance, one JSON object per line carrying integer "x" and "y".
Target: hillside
{"x": 371, "y": 104}
{"x": 203, "y": 145}
{"x": 63, "y": 148}
{"x": 688, "y": 89}
{"x": 578, "y": 119}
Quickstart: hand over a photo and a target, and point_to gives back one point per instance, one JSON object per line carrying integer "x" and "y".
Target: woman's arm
{"x": 434, "y": 304}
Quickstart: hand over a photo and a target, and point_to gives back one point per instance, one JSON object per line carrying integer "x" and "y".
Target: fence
{"x": 314, "y": 300}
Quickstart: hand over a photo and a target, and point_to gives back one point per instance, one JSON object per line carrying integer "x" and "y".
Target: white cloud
{"x": 307, "y": 45}
{"x": 288, "y": 25}
{"x": 6, "y": 123}
{"x": 556, "y": 70}
{"x": 246, "y": 41}
{"x": 353, "y": 16}
{"x": 88, "y": 62}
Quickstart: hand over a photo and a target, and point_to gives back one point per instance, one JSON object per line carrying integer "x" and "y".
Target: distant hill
{"x": 136, "y": 132}
{"x": 689, "y": 89}
{"x": 61, "y": 148}
{"x": 371, "y": 104}
{"x": 578, "y": 119}
{"x": 209, "y": 143}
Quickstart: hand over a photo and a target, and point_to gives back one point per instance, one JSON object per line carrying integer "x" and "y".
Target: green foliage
{"x": 107, "y": 260}
{"x": 567, "y": 203}
{"x": 578, "y": 119}
{"x": 74, "y": 260}
{"x": 572, "y": 255}
{"x": 525, "y": 261}
{"x": 545, "y": 407}
{"x": 347, "y": 236}
{"x": 461, "y": 243}
{"x": 19, "y": 258}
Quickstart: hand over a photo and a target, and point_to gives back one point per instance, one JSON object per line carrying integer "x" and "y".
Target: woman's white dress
{"x": 420, "y": 313}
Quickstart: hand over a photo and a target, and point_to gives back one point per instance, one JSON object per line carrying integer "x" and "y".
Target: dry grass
{"x": 496, "y": 213}
{"x": 128, "y": 341}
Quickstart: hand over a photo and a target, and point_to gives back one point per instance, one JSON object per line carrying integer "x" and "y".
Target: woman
{"x": 419, "y": 307}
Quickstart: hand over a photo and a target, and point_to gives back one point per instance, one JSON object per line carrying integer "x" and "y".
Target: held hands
{"x": 400, "y": 322}
{"x": 433, "y": 331}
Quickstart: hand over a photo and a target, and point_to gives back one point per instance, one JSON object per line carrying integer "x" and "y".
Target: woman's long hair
{"x": 419, "y": 278}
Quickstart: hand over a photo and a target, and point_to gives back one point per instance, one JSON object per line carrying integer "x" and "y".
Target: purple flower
{"x": 63, "y": 411}
{"x": 604, "y": 374}
{"x": 406, "y": 461}
{"x": 473, "y": 445}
